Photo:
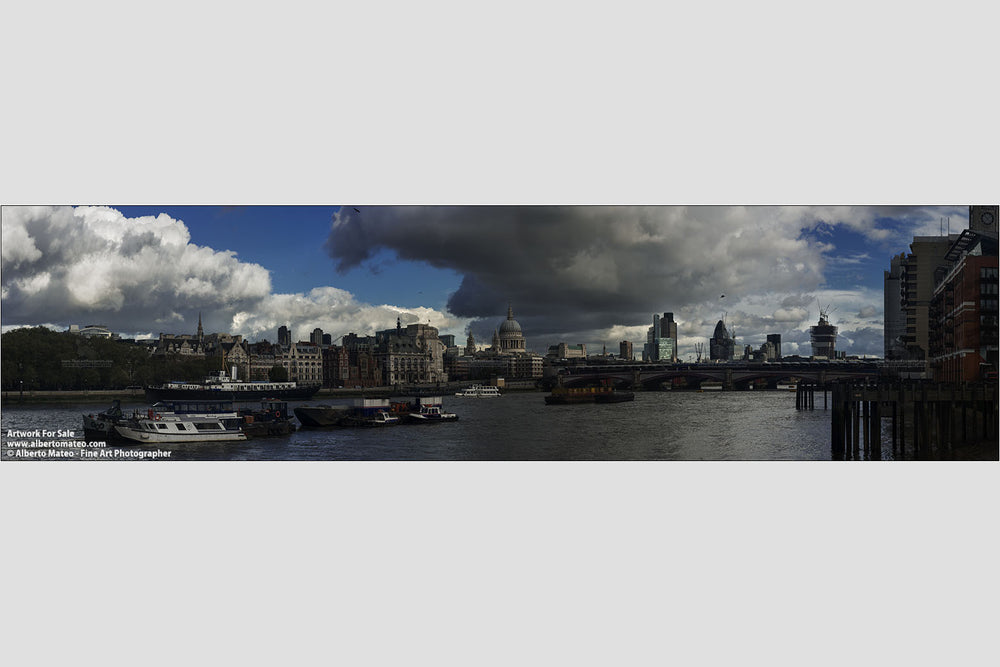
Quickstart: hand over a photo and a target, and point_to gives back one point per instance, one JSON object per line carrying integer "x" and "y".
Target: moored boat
{"x": 431, "y": 414}
{"x": 222, "y": 387}
{"x": 379, "y": 418}
{"x": 101, "y": 427}
{"x": 605, "y": 393}
{"x": 271, "y": 418}
{"x": 319, "y": 416}
{"x": 201, "y": 421}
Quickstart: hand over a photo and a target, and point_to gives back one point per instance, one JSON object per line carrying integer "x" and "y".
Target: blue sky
{"x": 288, "y": 240}
{"x": 590, "y": 274}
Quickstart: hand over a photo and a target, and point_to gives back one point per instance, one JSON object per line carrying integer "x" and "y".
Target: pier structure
{"x": 926, "y": 420}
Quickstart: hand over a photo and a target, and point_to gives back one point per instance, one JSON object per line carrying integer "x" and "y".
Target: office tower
{"x": 625, "y": 350}
{"x": 668, "y": 331}
{"x": 775, "y": 340}
{"x": 916, "y": 286}
{"x": 284, "y": 336}
{"x": 721, "y": 345}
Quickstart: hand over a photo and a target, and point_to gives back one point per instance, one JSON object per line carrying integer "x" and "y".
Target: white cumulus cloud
{"x": 94, "y": 265}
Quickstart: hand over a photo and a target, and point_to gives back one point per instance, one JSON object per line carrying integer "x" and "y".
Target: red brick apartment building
{"x": 963, "y": 312}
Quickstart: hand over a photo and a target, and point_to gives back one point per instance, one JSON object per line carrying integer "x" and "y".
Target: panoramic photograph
{"x": 499, "y": 333}
{"x": 514, "y": 335}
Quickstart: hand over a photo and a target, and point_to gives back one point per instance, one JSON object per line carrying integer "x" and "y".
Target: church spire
{"x": 201, "y": 332}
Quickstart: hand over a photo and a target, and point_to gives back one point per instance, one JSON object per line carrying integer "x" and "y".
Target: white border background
{"x": 499, "y": 563}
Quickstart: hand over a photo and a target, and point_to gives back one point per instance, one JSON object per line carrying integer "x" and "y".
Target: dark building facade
{"x": 775, "y": 340}
{"x": 721, "y": 346}
{"x": 963, "y": 313}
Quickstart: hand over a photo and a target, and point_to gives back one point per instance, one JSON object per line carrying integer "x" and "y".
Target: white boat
{"x": 183, "y": 422}
{"x": 479, "y": 391}
{"x": 787, "y": 386}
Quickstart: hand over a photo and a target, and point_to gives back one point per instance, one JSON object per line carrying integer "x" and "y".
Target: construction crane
{"x": 824, "y": 313}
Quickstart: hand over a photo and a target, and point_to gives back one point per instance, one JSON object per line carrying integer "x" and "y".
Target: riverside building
{"x": 507, "y": 356}
{"x": 963, "y": 312}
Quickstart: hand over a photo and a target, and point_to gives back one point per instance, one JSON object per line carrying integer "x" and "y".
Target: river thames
{"x": 754, "y": 426}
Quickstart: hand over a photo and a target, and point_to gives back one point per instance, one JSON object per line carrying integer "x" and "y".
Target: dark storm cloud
{"x": 585, "y": 268}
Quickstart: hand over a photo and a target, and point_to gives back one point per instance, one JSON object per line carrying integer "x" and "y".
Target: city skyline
{"x": 574, "y": 274}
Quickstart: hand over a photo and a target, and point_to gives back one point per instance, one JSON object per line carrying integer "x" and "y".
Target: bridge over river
{"x": 732, "y": 375}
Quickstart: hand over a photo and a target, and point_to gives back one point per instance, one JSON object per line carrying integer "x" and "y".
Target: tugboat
{"x": 101, "y": 427}
{"x": 380, "y": 418}
{"x": 430, "y": 411}
{"x": 272, "y": 418}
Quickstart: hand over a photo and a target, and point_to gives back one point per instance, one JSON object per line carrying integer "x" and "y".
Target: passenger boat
{"x": 787, "y": 386}
{"x": 710, "y": 386}
{"x": 606, "y": 393}
{"x": 198, "y": 421}
{"x": 223, "y": 387}
{"x": 479, "y": 391}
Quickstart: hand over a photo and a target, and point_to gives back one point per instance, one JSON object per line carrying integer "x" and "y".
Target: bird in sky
{"x": 723, "y": 296}
{"x": 357, "y": 211}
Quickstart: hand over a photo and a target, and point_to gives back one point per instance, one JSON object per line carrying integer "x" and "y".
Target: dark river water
{"x": 514, "y": 427}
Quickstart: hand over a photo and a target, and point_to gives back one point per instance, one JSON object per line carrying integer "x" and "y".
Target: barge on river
{"x": 602, "y": 394}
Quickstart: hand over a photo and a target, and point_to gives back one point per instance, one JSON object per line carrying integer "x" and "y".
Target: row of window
{"x": 201, "y": 426}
